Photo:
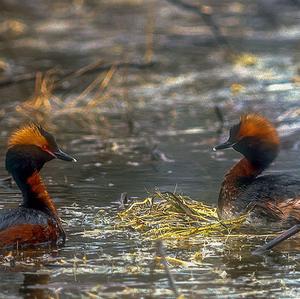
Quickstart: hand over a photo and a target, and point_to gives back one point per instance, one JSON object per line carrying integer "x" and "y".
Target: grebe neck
{"x": 35, "y": 195}
{"x": 236, "y": 180}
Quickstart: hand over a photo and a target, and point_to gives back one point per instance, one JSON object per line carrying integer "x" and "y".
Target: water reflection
{"x": 172, "y": 105}
{"x": 34, "y": 286}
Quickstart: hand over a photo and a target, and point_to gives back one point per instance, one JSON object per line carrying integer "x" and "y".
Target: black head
{"x": 30, "y": 147}
{"x": 254, "y": 137}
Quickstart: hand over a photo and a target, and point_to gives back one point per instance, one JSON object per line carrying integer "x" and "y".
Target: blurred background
{"x": 140, "y": 91}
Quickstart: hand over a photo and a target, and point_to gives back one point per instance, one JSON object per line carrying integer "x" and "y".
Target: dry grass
{"x": 244, "y": 59}
{"x": 85, "y": 109}
{"x": 40, "y": 105}
{"x": 173, "y": 216}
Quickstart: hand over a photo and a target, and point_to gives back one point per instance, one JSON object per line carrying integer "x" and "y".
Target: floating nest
{"x": 173, "y": 216}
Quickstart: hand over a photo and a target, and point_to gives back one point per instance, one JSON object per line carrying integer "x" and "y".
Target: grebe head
{"x": 30, "y": 147}
{"x": 254, "y": 137}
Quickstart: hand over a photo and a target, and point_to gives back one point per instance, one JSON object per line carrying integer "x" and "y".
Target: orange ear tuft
{"x": 29, "y": 134}
{"x": 253, "y": 124}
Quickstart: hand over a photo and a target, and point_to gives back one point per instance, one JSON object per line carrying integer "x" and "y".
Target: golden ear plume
{"x": 253, "y": 124}
{"x": 29, "y": 134}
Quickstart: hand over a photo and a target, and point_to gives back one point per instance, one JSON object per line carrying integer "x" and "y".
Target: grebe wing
{"x": 272, "y": 187}
{"x": 13, "y": 217}
{"x": 277, "y": 195}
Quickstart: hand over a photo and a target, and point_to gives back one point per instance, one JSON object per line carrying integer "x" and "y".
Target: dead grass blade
{"x": 173, "y": 216}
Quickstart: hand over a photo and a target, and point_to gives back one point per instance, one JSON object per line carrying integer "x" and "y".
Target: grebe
{"x": 273, "y": 198}
{"x": 36, "y": 220}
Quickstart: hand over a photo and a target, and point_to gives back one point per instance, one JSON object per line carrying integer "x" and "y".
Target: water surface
{"x": 171, "y": 105}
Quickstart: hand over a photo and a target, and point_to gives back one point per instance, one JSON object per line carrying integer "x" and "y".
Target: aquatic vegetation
{"x": 12, "y": 26}
{"x": 112, "y": 128}
{"x": 45, "y": 107}
{"x": 245, "y": 59}
{"x": 236, "y": 88}
{"x": 166, "y": 215}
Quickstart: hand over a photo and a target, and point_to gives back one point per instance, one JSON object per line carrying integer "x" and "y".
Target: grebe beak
{"x": 224, "y": 145}
{"x": 59, "y": 154}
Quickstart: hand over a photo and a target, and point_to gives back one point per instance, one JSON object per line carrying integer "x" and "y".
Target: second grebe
{"x": 271, "y": 197}
{"x": 36, "y": 221}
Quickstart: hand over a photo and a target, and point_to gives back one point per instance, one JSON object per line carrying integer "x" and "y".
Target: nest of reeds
{"x": 166, "y": 215}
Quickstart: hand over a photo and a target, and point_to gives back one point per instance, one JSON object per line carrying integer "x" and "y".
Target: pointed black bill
{"x": 224, "y": 145}
{"x": 59, "y": 154}
{"x": 285, "y": 235}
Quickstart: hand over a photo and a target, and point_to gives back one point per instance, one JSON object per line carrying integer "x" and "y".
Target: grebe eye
{"x": 44, "y": 147}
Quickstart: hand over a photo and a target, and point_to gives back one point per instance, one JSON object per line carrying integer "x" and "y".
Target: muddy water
{"x": 170, "y": 105}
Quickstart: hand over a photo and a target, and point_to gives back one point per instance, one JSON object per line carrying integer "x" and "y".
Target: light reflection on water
{"x": 174, "y": 108}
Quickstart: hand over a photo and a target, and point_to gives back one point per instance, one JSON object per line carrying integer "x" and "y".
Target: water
{"x": 171, "y": 105}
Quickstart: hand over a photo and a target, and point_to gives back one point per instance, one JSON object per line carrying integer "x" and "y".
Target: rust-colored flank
{"x": 28, "y": 234}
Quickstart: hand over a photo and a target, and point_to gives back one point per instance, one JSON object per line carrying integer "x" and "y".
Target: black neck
{"x": 259, "y": 154}
{"x": 22, "y": 162}
{"x": 30, "y": 198}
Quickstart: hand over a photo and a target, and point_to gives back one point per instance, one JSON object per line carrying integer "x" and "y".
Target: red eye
{"x": 46, "y": 149}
